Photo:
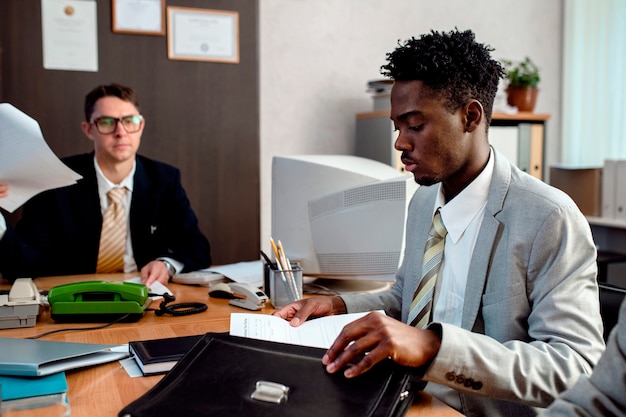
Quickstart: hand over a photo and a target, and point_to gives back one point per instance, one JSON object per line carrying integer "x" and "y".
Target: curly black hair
{"x": 452, "y": 64}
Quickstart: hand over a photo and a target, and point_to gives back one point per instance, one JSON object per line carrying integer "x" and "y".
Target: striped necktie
{"x": 113, "y": 235}
{"x": 421, "y": 306}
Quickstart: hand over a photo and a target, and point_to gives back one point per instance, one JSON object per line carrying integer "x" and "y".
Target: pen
{"x": 292, "y": 280}
{"x": 279, "y": 262}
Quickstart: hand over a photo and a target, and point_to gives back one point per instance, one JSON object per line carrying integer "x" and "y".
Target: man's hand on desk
{"x": 4, "y": 190}
{"x": 155, "y": 271}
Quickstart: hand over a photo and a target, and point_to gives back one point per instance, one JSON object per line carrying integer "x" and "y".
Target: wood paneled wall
{"x": 202, "y": 117}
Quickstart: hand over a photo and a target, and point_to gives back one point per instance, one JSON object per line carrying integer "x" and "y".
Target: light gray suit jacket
{"x": 531, "y": 318}
{"x": 604, "y": 393}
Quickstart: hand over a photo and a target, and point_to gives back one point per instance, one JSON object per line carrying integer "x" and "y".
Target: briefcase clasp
{"x": 271, "y": 392}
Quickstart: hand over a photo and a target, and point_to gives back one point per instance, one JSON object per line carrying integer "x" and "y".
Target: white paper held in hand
{"x": 320, "y": 332}
{"x": 27, "y": 163}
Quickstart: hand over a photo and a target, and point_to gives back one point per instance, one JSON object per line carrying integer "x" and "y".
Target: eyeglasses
{"x": 107, "y": 125}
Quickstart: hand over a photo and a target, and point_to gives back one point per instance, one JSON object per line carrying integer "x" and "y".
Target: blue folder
{"x": 16, "y": 387}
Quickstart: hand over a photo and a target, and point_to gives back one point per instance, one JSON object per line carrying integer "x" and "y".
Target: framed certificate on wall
{"x": 202, "y": 34}
{"x": 142, "y": 17}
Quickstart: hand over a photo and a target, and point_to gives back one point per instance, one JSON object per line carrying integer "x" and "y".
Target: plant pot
{"x": 524, "y": 98}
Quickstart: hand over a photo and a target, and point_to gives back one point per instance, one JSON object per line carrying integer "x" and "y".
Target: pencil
{"x": 292, "y": 280}
{"x": 276, "y": 254}
{"x": 279, "y": 261}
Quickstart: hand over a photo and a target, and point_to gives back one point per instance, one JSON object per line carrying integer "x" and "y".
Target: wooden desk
{"x": 104, "y": 390}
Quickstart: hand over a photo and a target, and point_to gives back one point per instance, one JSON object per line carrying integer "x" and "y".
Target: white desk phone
{"x": 20, "y": 307}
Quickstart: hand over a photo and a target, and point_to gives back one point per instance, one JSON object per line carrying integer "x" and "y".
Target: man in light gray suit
{"x": 604, "y": 393}
{"x": 515, "y": 317}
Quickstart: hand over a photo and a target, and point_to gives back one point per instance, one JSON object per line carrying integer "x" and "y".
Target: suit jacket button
{"x": 477, "y": 385}
{"x": 468, "y": 382}
{"x": 460, "y": 379}
{"x": 450, "y": 376}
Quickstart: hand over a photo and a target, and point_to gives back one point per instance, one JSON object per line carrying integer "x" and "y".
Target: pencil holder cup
{"x": 283, "y": 286}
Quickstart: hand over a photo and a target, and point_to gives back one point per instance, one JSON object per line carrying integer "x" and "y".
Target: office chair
{"x": 611, "y": 298}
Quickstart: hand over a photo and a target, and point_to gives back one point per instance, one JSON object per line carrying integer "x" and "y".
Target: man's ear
{"x": 86, "y": 128}
{"x": 474, "y": 114}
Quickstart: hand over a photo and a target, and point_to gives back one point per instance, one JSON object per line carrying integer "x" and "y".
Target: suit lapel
{"x": 140, "y": 200}
{"x": 86, "y": 195}
{"x": 489, "y": 230}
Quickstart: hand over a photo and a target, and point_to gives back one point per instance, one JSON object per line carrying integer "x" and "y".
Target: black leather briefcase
{"x": 225, "y": 375}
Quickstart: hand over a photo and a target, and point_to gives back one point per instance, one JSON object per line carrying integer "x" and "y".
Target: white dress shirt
{"x": 462, "y": 217}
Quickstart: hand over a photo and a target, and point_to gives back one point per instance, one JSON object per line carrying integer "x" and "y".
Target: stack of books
{"x": 23, "y": 392}
{"x": 32, "y": 372}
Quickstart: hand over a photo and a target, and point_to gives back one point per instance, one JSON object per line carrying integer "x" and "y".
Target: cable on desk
{"x": 78, "y": 328}
{"x": 180, "y": 309}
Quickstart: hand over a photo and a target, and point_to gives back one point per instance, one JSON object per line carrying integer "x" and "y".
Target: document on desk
{"x": 27, "y": 163}
{"x": 155, "y": 288}
{"x": 247, "y": 272}
{"x": 320, "y": 332}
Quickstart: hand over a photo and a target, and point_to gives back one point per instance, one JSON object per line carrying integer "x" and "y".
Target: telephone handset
{"x": 24, "y": 291}
{"x": 98, "y": 301}
{"x": 21, "y": 305}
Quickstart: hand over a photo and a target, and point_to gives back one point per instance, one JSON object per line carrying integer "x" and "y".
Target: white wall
{"x": 316, "y": 57}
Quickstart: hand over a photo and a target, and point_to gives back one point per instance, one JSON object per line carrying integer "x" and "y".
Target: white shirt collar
{"x": 104, "y": 185}
{"x": 459, "y": 212}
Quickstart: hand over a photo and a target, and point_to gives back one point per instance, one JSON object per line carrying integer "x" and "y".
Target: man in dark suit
{"x": 59, "y": 232}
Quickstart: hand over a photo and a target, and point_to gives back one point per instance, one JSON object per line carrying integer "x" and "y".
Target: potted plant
{"x": 523, "y": 78}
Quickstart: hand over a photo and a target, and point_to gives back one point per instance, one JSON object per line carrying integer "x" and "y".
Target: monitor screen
{"x": 340, "y": 216}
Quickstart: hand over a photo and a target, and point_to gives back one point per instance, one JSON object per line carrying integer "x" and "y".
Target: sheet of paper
{"x": 249, "y": 272}
{"x": 320, "y": 332}
{"x": 27, "y": 163}
{"x": 155, "y": 288}
{"x": 131, "y": 367}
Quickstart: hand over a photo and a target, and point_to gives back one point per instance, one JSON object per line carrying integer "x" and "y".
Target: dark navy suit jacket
{"x": 59, "y": 231}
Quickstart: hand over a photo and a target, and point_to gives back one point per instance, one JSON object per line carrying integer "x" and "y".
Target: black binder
{"x": 219, "y": 375}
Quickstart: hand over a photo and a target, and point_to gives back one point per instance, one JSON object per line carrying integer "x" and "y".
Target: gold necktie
{"x": 113, "y": 235}
{"x": 421, "y": 306}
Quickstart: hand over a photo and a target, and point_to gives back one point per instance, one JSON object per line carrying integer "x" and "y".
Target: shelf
{"x": 521, "y": 116}
{"x": 602, "y": 221}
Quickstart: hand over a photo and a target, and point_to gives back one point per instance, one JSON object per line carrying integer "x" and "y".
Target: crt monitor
{"x": 340, "y": 216}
